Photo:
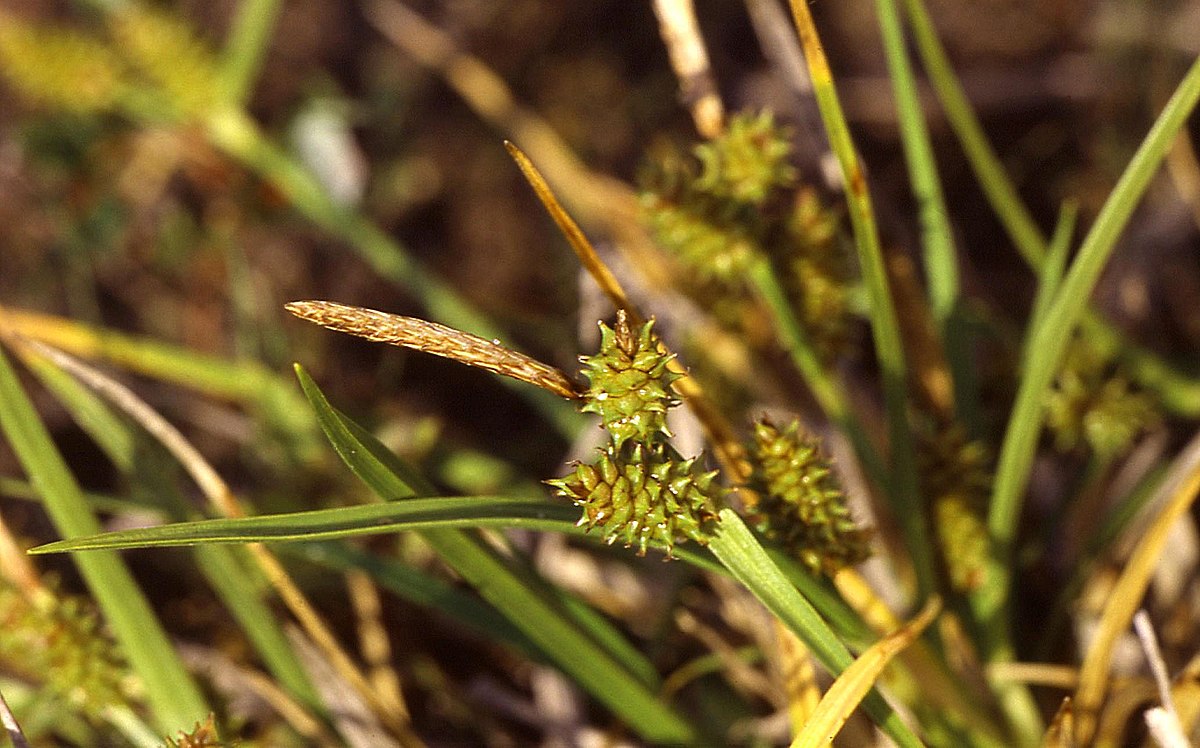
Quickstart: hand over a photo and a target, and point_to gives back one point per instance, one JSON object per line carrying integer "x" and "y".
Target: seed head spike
{"x": 440, "y": 340}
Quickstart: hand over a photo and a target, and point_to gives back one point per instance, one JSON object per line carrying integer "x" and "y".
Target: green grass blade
{"x": 1051, "y": 273}
{"x": 941, "y": 261}
{"x": 1000, "y": 192}
{"x": 173, "y": 695}
{"x": 1179, "y": 391}
{"x": 246, "y": 46}
{"x": 339, "y": 522}
{"x": 901, "y": 489}
{"x": 737, "y": 548}
{"x": 990, "y": 604}
{"x": 1050, "y": 339}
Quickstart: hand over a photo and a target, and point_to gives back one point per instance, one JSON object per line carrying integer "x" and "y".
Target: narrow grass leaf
{"x": 1051, "y": 272}
{"x": 737, "y": 548}
{"x": 941, "y": 261}
{"x": 1179, "y": 391}
{"x": 223, "y": 568}
{"x": 172, "y": 693}
{"x": 1016, "y": 456}
{"x": 844, "y": 696}
{"x": 339, "y": 522}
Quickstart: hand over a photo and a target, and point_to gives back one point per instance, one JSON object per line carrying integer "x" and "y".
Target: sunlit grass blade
{"x": 340, "y": 522}
{"x": 737, "y": 548}
{"x": 574, "y": 644}
{"x": 225, "y": 569}
{"x": 856, "y": 681}
{"x": 172, "y": 693}
{"x": 901, "y": 489}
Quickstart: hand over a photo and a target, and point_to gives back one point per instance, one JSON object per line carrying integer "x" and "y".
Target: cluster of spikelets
{"x": 732, "y": 202}
{"x": 1093, "y": 402}
{"x": 57, "y": 643}
{"x": 639, "y": 490}
{"x": 956, "y": 479}
{"x": 148, "y": 63}
{"x": 802, "y": 505}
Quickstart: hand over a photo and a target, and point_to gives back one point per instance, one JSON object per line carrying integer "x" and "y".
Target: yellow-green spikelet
{"x": 956, "y": 480}
{"x": 803, "y": 505}
{"x": 630, "y": 383}
{"x": 748, "y": 162}
{"x": 643, "y": 496}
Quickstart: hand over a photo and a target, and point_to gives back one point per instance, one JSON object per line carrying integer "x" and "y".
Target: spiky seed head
{"x": 803, "y": 505}
{"x": 630, "y": 383}
{"x": 643, "y": 496}
{"x": 956, "y": 479}
{"x": 747, "y": 162}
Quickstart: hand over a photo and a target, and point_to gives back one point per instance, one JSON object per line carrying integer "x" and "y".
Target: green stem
{"x": 249, "y": 37}
{"x": 941, "y": 262}
{"x": 824, "y": 386}
{"x": 902, "y": 490}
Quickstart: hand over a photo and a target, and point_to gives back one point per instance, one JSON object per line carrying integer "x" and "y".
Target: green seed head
{"x": 803, "y": 505}
{"x": 630, "y": 383}
{"x": 643, "y": 496}
{"x": 747, "y": 162}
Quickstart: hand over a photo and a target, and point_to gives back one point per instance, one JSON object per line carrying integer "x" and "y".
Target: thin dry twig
{"x": 440, "y": 340}
{"x": 689, "y": 59}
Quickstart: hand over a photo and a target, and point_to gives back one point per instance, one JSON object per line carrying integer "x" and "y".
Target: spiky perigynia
{"x": 643, "y": 495}
{"x": 747, "y": 162}
{"x": 1094, "y": 402}
{"x": 639, "y": 491}
{"x": 630, "y": 383}
{"x": 956, "y": 480}
{"x": 803, "y": 505}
